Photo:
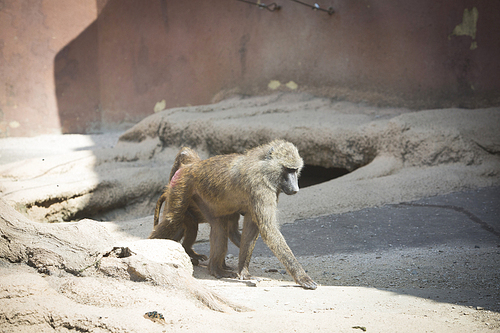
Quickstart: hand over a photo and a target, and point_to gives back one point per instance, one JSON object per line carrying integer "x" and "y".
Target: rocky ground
{"x": 407, "y": 241}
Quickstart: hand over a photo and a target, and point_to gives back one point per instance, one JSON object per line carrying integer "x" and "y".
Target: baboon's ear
{"x": 269, "y": 153}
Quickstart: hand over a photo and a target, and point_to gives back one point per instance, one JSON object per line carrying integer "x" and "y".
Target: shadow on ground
{"x": 445, "y": 248}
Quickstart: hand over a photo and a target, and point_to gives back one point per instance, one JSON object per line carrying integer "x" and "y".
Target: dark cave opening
{"x": 313, "y": 175}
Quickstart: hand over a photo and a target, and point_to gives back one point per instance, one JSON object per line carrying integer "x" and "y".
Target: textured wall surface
{"x": 31, "y": 35}
{"x": 87, "y": 66}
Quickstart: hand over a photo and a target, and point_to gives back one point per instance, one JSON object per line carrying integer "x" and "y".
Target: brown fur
{"x": 184, "y": 156}
{"x": 189, "y": 226}
{"x": 224, "y": 186}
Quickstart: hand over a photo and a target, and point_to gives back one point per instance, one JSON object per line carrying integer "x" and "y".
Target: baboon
{"x": 189, "y": 226}
{"x": 184, "y": 156}
{"x": 225, "y": 186}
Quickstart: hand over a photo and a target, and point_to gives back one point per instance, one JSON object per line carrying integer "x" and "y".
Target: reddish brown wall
{"x": 31, "y": 34}
{"x": 137, "y": 53}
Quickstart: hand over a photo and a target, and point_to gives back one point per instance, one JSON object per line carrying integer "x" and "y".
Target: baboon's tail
{"x": 163, "y": 198}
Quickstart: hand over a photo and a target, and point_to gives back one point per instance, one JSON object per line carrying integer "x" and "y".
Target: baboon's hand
{"x": 306, "y": 282}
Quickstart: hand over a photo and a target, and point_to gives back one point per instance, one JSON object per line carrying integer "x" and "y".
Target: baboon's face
{"x": 290, "y": 181}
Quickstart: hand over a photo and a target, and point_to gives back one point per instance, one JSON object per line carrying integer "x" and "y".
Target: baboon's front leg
{"x": 248, "y": 238}
{"x": 276, "y": 242}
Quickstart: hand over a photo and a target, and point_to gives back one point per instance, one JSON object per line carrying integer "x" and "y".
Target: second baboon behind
{"x": 225, "y": 186}
{"x": 189, "y": 226}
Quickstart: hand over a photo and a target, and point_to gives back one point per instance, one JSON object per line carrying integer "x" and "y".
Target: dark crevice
{"x": 119, "y": 252}
{"x": 313, "y": 175}
{"x": 487, "y": 149}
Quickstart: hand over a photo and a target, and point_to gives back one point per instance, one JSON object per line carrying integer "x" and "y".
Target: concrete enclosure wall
{"x": 76, "y": 66}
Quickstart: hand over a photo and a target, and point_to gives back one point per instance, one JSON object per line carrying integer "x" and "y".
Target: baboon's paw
{"x": 200, "y": 257}
{"x": 306, "y": 282}
{"x": 195, "y": 257}
{"x": 222, "y": 273}
{"x": 245, "y": 275}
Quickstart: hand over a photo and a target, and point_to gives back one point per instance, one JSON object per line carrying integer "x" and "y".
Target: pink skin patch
{"x": 175, "y": 178}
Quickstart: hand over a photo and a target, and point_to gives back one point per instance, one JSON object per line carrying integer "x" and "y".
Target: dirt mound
{"x": 124, "y": 182}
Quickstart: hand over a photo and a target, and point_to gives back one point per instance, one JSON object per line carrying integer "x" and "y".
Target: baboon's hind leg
{"x": 232, "y": 230}
{"x": 218, "y": 248}
{"x": 218, "y": 240}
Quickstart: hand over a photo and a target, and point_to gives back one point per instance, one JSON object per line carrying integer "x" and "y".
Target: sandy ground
{"x": 382, "y": 266}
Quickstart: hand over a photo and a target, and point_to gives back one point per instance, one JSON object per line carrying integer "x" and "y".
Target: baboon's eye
{"x": 290, "y": 170}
